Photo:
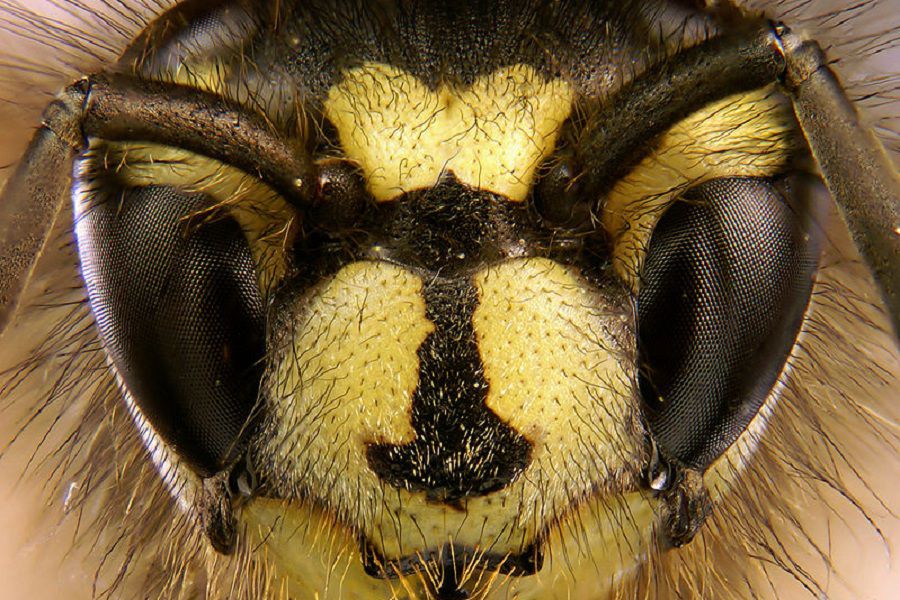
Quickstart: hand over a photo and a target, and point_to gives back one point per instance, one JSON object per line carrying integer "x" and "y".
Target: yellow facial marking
{"x": 556, "y": 357}
{"x": 589, "y": 551}
{"x": 317, "y": 558}
{"x": 492, "y": 135}
{"x": 745, "y": 135}
{"x": 592, "y": 548}
{"x": 347, "y": 376}
{"x": 553, "y": 361}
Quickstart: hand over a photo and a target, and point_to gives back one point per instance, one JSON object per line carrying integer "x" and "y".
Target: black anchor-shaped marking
{"x": 461, "y": 448}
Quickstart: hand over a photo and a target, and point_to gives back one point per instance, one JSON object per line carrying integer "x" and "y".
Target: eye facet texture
{"x": 180, "y": 314}
{"x": 726, "y": 281}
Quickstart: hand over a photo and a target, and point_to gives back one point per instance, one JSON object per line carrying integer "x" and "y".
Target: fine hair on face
{"x": 405, "y": 299}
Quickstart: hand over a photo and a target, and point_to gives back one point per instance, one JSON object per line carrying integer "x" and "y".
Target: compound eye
{"x": 180, "y": 314}
{"x": 725, "y": 283}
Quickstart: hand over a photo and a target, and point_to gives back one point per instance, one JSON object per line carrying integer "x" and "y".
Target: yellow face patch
{"x": 556, "y": 358}
{"x": 745, "y": 135}
{"x": 552, "y": 358}
{"x": 347, "y": 377}
{"x": 319, "y": 558}
{"x": 492, "y": 135}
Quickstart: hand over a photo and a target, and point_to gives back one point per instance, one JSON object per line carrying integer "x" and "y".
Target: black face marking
{"x": 453, "y": 560}
{"x": 448, "y": 229}
{"x": 452, "y": 228}
{"x": 461, "y": 448}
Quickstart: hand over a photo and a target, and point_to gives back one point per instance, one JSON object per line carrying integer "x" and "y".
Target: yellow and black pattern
{"x": 450, "y": 372}
{"x": 464, "y": 356}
